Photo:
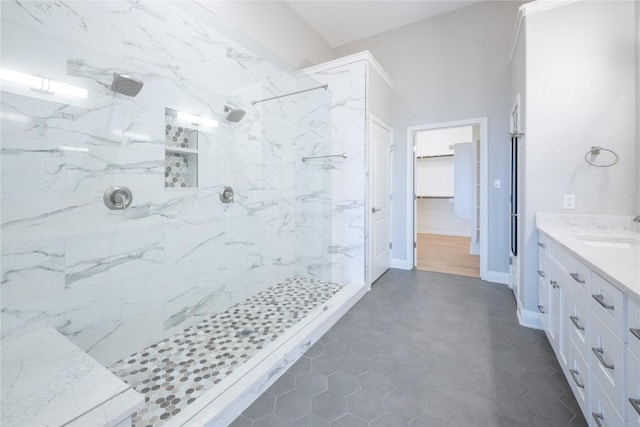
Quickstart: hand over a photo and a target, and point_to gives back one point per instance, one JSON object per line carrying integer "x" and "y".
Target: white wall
{"x": 638, "y": 106}
{"x": 277, "y": 27}
{"x": 580, "y": 66}
{"x": 436, "y": 216}
{"x": 447, "y": 68}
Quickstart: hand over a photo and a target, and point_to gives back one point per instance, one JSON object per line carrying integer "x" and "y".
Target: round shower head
{"x": 234, "y": 114}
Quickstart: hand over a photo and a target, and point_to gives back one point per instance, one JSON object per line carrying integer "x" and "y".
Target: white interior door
{"x": 379, "y": 197}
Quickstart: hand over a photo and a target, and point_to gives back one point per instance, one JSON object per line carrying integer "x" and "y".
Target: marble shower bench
{"x": 48, "y": 380}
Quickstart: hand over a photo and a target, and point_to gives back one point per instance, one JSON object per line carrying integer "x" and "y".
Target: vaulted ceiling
{"x": 342, "y": 22}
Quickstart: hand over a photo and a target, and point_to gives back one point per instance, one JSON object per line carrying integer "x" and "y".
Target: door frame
{"x": 411, "y": 229}
{"x": 373, "y": 119}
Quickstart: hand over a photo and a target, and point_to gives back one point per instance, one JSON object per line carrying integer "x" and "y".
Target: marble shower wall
{"x": 347, "y": 115}
{"x": 115, "y": 281}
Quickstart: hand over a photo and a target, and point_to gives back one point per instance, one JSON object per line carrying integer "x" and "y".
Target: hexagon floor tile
{"x": 425, "y": 349}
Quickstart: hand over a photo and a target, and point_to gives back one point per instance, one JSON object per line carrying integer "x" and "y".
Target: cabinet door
{"x": 607, "y": 362}
{"x": 556, "y": 314}
{"x": 633, "y": 325}
{"x": 579, "y": 379}
{"x": 603, "y": 412}
{"x": 633, "y": 389}
{"x": 543, "y": 293}
{"x": 578, "y": 321}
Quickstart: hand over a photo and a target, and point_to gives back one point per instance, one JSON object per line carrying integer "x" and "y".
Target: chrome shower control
{"x": 226, "y": 194}
{"x": 117, "y": 198}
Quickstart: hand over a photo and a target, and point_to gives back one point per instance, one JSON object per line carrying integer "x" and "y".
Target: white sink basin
{"x": 607, "y": 242}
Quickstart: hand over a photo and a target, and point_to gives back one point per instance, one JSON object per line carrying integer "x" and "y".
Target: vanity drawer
{"x": 633, "y": 389}
{"x": 633, "y": 325}
{"x": 578, "y": 321}
{"x": 579, "y": 274}
{"x": 607, "y": 303}
{"x": 543, "y": 244}
{"x": 602, "y": 409}
{"x": 579, "y": 378}
{"x": 606, "y": 359}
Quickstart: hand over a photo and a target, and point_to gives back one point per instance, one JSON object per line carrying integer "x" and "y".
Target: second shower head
{"x": 234, "y": 114}
{"x": 126, "y": 85}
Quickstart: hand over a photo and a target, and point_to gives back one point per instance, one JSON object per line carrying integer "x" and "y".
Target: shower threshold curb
{"x": 221, "y": 405}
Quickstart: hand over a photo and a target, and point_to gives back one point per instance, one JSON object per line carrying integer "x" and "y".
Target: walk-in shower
{"x": 114, "y": 230}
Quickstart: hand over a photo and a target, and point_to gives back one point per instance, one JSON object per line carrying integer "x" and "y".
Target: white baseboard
{"x": 402, "y": 264}
{"x": 529, "y": 319}
{"x": 497, "y": 277}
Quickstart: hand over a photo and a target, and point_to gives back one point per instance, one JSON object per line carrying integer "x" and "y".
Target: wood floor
{"x": 447, "y": 254}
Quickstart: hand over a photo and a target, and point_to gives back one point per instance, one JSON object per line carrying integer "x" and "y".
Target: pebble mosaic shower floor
{"x": 175, "y": 371}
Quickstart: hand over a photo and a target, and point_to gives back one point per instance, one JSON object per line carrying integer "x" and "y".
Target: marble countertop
{"x": 577, "y": 233}
{"x": 47, "y": 380}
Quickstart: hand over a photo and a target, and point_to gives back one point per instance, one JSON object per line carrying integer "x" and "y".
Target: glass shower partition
{"x": 114, "y": 228}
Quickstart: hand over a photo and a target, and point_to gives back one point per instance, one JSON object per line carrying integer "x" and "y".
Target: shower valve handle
{"x": 117, "y": 198}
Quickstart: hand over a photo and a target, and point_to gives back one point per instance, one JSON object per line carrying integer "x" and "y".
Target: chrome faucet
{"x": 637, "y": 219}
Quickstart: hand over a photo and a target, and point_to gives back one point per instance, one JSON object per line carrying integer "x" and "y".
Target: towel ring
{"x": 595, "y": 151}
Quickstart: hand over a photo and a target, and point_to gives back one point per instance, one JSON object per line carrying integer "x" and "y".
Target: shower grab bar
{"x": 289, "y": 94}
{"x": 343, "y": 155}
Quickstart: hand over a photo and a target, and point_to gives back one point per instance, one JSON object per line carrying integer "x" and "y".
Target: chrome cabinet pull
{"x": 599, "y": 352}
{"x": 635, "y": 332}
{"x": 576, "y": 277}
{"x": 374, "y": 210}
{"x": 542, "y": 245}
{"x": 540, "y": 273}
{"x": 575, "y": 320}
{"x": 600, "y": 299}
{"x": 636, "y": 404}
{"x": 541, "y": 309}
{"x": 574, "y": 375}
{"x": 598, "y": 418}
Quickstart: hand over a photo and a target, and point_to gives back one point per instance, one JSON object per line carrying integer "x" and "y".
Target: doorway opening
{"x": 448, "y": 171}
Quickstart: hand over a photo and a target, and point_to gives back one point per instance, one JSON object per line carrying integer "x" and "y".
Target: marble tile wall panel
{"x": 347, "y": 110}
{"x": 313, "y": 185}
{"x": 117, "y": 280}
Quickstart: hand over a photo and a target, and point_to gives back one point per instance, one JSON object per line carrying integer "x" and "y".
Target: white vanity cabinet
{"x": 594, "y": 329}
{"x": 633, "y": 362}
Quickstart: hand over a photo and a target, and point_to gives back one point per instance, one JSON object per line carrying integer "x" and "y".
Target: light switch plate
{"x": 569, "y": 201}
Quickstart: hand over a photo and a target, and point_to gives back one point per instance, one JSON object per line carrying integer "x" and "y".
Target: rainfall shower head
{"x": 233, "y": 114}
{"x": 126, "y": 85}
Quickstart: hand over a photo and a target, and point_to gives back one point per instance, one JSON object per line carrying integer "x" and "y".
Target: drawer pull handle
{"x": 542, "y": 245}
{"x": 540, "y": 273}
{"x": 576, "y": 277}
{"x": 541, "y": 309}
{"x": 635, "y": 332}
{"x": 600, "y": 299}
{"x": 574, "y": 375}
{"x": 576, "y": 323}
{"x": 599, "y": 354}
{"x": 636, "y": 404}
{"x": 598, "y": 418}
{"x": 554, "y": 284}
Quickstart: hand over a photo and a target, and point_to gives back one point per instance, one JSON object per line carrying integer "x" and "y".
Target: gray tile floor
{"x": 423, "y": 349}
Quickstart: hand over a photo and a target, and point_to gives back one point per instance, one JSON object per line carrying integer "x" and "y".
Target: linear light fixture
{"x": 42, "y": 84}
{"x": 205, "y": 121}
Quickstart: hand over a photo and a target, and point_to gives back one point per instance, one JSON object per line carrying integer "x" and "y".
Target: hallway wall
{"x": 469, "y": 79}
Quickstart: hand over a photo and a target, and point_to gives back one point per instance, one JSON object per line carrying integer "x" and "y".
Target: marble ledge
{"x": 47, "y": 380}
{"x": 618, "y": 265}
